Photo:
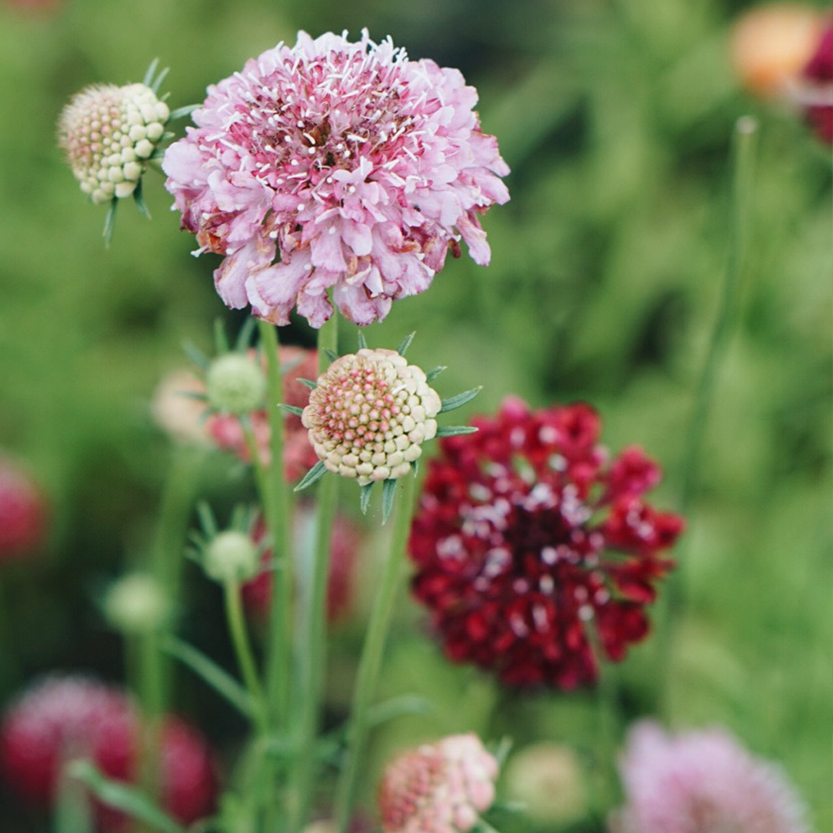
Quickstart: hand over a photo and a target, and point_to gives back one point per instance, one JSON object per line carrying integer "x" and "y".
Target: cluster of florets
{"x": 108, "y": 134}
{"x": 67, "y": 717}
{"x": 702, "y": 782}
{"x": 338, "y": 165}
{"x": 23, "y": 512}
{"x": 438, "y": 788}
{"x": 369, "y": 415}
{"x": 526, "y": 538}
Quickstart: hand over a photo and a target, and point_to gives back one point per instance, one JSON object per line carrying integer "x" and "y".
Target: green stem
{"x": 371, "y": 658}
{"x": 312, "y": 653}
{"x": 245, "y": 656}
{"x": 278, "y": 508}
{"x": 743, "y": 156}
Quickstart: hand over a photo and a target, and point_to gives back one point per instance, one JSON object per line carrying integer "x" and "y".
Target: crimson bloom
{"x": 333, "y": 164}
{"x": 526, "y": 537}
{"x": 73, "y": 716}
{"x": 818, "y": 77}
{"x": 23, "y": 513}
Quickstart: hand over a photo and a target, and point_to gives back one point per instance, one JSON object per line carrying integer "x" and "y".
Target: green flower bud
{"x": 235, "y": 384}
{"x": 231, "y": 556}
{"x": 135, "y": 604}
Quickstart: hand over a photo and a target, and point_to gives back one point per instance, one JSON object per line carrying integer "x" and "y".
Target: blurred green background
{"x": 606, "y": 278}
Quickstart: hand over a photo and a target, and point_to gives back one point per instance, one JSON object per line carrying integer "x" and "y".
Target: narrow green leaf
{"x": 192, "y": 394}
{"x": 110, "y": 222}
{"x": 196, "y": 355}
{"x": 365, "y": 499}
{"x": 244, "y": 337}
{"x": 362, "y": 340}
{"x": 207, "y": 519}
{"x": 292, "y": 409}
{"x": 407, "y": 704}
{"x": 432, "y": 374}
{"x": 454, "y": 430}
{"x": 308, "y": 383}
{"x": 157, "y": 82}
{"x": 217, "y": 678}
{"x": 330, "y": 354}
{"x": 149, "y": 73}
{"x": 313, "y": 475}
{"x": 388, "y": 492}
{"x": 406, "y": 343}
{"x": 181, "y": 112}
{"x": 221, "y": 344}
{"x": 139, "y": 199}
{"x": 461, "y": 399}
{"x": 122, "y": 797}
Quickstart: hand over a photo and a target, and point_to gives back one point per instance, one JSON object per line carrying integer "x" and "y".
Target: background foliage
{"x": 615, "y": 117}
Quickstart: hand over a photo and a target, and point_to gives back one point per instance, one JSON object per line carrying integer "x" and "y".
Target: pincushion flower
{"x": 334, "y": 165}
{"x": 438, "y": 788}
{"x": 23, "y": 513}
{"x": 73, "y": 716}
{"x": 535, "y": 554}
{"x": 702, "y": 782}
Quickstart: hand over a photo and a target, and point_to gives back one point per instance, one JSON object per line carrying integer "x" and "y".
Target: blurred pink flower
{"x": 702, "y": 782}
{"x": 23, "y": 513}
{"x": 74, "y": 716}
{"x": 818, "y": 78}
{"x": 338, "y": 165}
{"x": 438, "y": 788}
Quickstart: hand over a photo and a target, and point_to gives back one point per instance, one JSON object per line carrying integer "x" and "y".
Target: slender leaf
{"x": 313, "y": 475}
{"x": 150, "y": 72}
{"x": 308, "y": 383}
{"x": 157, "y": 82}
{"x": 292, "y": 409}
{"x": 139, "y": 199}
{"x": 406, "y": 343}
{"x": 181, "y": 112}
{"x": 244, "y": 336}
{"x": 123, "y": 797}
{"x": 217, "y": 678}
{"x": 454, "y": 430}
{"x": 362, "y": 340}
{"x": 432, "y": 374}
{"x": 388, "y": 492}
{"x": 196, "y": 355}
{"x": 110, "y": 222}
{"x": 365, "y": 499}
{"x": 461, "y": 399}
{"x": 207, "y": 519}
{"x": 221, "y": 344}
{"x": 330, "y": 354}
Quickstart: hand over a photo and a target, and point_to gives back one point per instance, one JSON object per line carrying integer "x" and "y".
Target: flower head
{"x": 338, "y": 165}
{"x": 369, "y": 415}
{"x": 438, "y": 788}
{"x": 63, "y": 717}
{"x": 23, "y": 513}
{"x": 108, "y": 134}
{"x": 136, "y": 604}
{"x": 702, "y": 782}
{"x": 526, "y": 538}
{"x": 818, "y": 85}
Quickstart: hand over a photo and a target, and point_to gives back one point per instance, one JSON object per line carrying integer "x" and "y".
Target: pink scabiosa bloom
{"x": 817, "y": 79}
{"x": 702, "y": 782}
{"x": 438, "y": 788}
{"x": 334, "y": 165}
{"x": 73, "y": 716}
{"x": 257, "y": 592}
{"x": 227, "y": 432}
{"x": 23, "y": 513}
{"x": 526, "y": 537}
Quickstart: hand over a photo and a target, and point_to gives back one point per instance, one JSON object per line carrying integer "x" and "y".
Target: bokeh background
{"x": 616, "y": 118}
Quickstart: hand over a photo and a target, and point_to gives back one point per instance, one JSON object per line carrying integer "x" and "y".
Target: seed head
{"x": 136, "y": 604}
{"x": 231, "y": 556}
{"x": 369, "y": 415}
{"x": 108, "y": 134}
{"x": 235, "y": 384}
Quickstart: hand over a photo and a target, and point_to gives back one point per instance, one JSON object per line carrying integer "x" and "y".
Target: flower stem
{"x": 278, "y": 509}
{"x": 371, "y": 658}
{"x": 243, "y": 652}
{"x": 312, "y": 653}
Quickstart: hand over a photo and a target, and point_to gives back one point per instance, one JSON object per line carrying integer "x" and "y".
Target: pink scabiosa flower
{"x": 526, "y": 538}
{"x": 438, "y": 788}
{"x": 66, "y": 717}
{"x": 227, "y": 432}
{"x": 23, "y": 513}
{"x": 702, "y": 782}
{"x": 257, "y": 593}
{"x": 338, "y": 165}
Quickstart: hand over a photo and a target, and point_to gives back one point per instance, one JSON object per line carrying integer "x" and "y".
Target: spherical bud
{"x": 770, "y": 44}
{"x": 547, "y": 779}
{"x": 176, "y": 409}
{"x": 108, "y": 133}
{"x": 136, "y": 604}
{"x": 235, "y": 384}
{"x": 370, "y": 414}
{"x": 438, "y": 788}
{"x": 231, "y": 556}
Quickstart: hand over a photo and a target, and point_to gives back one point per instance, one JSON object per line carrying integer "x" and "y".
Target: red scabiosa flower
{"x": 338, "y": 165}
{"x": 818, "y": 82}
{"x": 23, "y": 513}
{"x": 526, "y": 537}
{"x": 702, "y": 782}
{"x": 66, "y": 717}
{"x": 438, "y": 788}
{"x": 299, "y": 455}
